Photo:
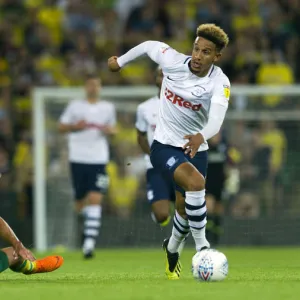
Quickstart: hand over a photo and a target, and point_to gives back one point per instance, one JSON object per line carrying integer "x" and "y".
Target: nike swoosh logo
{"x": 170, "y": 78}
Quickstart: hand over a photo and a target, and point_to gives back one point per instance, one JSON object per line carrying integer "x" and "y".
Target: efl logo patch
{"x": 171, "y": 161}
{"x": 226, "y": 91}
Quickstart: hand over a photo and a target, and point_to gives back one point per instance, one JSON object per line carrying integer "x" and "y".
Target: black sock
{"x": 210, "y": 229}
{"x": 218, "y": 230}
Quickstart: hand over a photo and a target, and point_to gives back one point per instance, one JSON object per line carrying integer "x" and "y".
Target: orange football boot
{"x": 46, "y": 265}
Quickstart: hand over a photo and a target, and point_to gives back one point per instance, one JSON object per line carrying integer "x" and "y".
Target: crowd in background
{"x": 57, "y": 42}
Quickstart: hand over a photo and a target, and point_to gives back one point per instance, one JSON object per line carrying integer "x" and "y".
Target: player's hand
{"x": 192, "y": 146}
{"x": 81, "y": 125}
{"x": 113, "y": 64}
{"x": 109, "y": 130}
{"x": 21, "y": 251}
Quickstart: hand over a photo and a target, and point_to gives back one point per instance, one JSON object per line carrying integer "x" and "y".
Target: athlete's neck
{"x": 92, "y": 100}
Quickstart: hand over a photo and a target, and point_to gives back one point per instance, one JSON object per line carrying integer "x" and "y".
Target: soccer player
{"x": 217, "y": 158}
{"x": 21, "y": 260}
{"x": 194, "y": 101}
{"x": 88, "y": 123}
{"x": 160, "y": 190}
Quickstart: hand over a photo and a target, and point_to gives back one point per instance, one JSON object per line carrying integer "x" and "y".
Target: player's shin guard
{"x": 92, "y": 223}
{"x": 195, "y": 207}
{"x": 180, "y": 232}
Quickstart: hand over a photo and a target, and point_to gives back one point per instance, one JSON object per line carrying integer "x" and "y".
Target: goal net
{"x": 261, "y": 129}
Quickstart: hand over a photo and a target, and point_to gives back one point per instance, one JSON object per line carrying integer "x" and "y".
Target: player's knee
{"x": 196, "y": 183}
{"x": 162, "y": 217}
{"x": 94, "y": 198}
{"x": 161, "y": 212}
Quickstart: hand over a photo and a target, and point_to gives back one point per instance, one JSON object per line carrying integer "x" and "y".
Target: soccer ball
{"x": 209, "y": 265}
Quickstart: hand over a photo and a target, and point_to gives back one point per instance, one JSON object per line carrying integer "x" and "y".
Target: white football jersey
{"x": 146, "y": 118}
{"x": 185, "y": 97}
{"x": 90, "y": 145}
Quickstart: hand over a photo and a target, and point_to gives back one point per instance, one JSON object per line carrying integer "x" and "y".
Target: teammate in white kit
{"x": 88, "y": 123}
{"x": 160, "y": 188}
{"x": 194, "y": 101}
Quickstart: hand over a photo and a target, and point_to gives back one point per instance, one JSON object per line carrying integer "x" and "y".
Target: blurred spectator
{"x": 274, "y": 71}
{"x": 5, "y": 174}
{"x": 122, "y": 191}
{"x": 254, "y": 178}
{"x": 23, "y": 167}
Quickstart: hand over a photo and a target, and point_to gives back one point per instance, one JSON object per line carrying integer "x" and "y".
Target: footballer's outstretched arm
{"x": 153, "y": 49}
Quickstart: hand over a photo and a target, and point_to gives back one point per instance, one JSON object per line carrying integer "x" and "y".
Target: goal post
{"x": 127, "y": 99}
{"x": 39, "y": 137}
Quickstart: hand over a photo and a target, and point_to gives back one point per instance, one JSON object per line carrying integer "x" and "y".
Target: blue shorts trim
{"x": 167, "y": 158}
{"x": 159, "y": 187}
{"x": 88, "y": 178}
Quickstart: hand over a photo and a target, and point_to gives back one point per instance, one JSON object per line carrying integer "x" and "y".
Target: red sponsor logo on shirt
{"x": 177, "y": 100}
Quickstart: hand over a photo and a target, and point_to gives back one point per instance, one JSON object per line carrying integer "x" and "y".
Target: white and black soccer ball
{"x": 209, "y": 265}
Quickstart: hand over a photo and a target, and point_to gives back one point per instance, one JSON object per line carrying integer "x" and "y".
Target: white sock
{"x": 195, "y": 207}
{"x": 179, "y": 232}
{"x": 182, "y": 244}
{"x": 92, "y": 223}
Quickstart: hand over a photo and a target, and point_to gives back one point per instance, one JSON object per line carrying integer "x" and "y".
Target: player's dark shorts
{"x": 88, "y": 178}
{"x": 159, "y": 187}
{"x": 167, "y": 158}
{"x": 214, "y": 184}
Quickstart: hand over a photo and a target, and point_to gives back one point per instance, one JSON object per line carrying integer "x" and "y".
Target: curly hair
{"x": 214, "y": 34}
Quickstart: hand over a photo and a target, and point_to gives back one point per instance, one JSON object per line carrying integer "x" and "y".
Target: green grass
{"x": 258, "y": 274}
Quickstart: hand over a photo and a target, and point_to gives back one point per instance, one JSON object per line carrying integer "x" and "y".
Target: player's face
{"x": 159, "y": 78}
{"x": 203, "y": 56}
{"x": 92, "y": 87}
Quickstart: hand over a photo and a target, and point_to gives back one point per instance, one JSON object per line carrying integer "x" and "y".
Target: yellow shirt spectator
{"x": 275, "y": 139}
{"x": 277, "y": 73}
{"x": 122, "y": 189}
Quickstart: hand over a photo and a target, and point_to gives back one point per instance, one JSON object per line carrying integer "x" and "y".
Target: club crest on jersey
{"x": 177, "y": 100}
{"x": 226, "y": 91}
{"x": 164, "y": 49}
{"x": 199, "y": 90}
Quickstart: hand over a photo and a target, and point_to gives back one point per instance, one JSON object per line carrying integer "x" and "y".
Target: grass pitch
{"x": 259, "y": 274}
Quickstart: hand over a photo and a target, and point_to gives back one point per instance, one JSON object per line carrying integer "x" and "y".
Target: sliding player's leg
{"x": 8, "y": 260}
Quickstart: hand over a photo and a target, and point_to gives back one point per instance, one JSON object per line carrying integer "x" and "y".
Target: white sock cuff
{"x": 195, "y": 194}
{"x": 195, "y": 197}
